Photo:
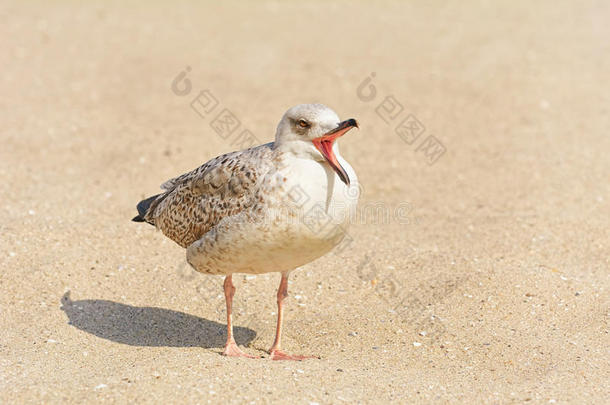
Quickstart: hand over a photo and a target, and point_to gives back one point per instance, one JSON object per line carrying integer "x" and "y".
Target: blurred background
{"x": 488, "y": 120}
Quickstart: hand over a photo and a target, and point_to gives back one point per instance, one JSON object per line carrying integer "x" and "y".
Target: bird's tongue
{"x": 325, "y": 146}
{"x": 327, "y": 149}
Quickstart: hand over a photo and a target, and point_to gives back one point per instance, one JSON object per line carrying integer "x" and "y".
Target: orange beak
{"x": 325, "y": 145}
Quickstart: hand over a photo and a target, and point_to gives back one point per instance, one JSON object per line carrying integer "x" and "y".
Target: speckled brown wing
{"x": 195, "y": 202}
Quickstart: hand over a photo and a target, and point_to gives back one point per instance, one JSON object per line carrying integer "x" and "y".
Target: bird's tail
{"x": 143, "y": 208}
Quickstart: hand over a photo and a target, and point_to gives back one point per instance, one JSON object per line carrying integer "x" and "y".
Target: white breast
{"x": 315, "y": 189}
{"x": 307, "y": 213}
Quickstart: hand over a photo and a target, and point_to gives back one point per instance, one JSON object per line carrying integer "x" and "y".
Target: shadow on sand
{"x": 148, "y": 326}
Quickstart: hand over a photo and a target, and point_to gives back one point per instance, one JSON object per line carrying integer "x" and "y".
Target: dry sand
{"x": 480, "y": 278}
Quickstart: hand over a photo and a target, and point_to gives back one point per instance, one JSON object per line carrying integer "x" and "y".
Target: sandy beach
{"x": 476, "y": 270}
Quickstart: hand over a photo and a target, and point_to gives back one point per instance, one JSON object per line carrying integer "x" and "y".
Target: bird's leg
{"x": 275, "y": 351}
{"x": 231, "y": 348}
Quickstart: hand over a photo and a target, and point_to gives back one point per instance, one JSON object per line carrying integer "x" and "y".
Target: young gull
{"x": 270, "y": 208}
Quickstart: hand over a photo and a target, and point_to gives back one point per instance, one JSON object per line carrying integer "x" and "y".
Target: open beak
{"x": 325, "y": 145}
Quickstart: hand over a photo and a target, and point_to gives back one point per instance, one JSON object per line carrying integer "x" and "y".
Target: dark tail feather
{"x": 143, "y": 207}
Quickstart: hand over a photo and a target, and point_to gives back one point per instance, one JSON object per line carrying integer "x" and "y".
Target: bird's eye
{"x": 303, "y": 124}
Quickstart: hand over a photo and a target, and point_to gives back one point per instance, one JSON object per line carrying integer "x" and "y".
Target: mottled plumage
{"x": 271, "y": 208}
{"x": 195, "y": 202}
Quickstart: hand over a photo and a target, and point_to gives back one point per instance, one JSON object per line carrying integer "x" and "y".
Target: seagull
{"x": 270, "y": 208}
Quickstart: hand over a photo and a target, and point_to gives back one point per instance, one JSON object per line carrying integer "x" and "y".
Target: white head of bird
{"x": 312, "y": 130}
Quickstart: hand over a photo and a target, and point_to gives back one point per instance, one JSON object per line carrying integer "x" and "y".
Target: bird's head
{"x": 313, "y": 129}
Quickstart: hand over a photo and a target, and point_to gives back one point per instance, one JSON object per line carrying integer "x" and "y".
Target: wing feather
{"x": 196, "y": 201}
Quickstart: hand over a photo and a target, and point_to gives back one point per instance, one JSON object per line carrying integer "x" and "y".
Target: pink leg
{"x": 275, "y": 351}
{"x": 231, "y": 348}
